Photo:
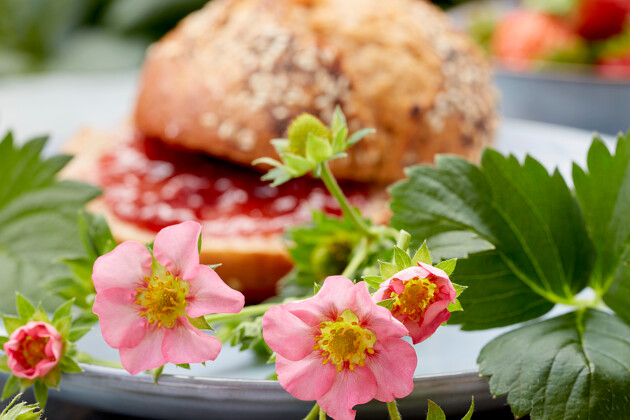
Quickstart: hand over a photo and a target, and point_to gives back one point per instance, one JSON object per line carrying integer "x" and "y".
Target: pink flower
{"x": 340, "y": 349}
{"x": 33, "y": 350}
{"x": 421, "y": 295}
{"x": 145, "y": 304}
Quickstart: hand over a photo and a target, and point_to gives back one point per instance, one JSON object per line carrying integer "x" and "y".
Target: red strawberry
{"x": 600, "y": 19}
{"x": 525, "y": 36}
{"x": 615, "y": 68}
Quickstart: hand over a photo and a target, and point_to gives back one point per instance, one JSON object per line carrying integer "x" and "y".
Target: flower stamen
{"x": 163, "y": 299}
{"x": 418, "y": 295}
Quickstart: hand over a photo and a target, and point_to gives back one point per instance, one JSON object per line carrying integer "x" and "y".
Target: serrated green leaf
{"x": 77, "y": 333}
{"x": 11, "y": 387}
{"x": 41, "y": 394}
{"x": 422, "y": 255}
{"x": 456, "y": 244}
{"x": 318, "y": 149}
{"x": 25, "y": 309}
{"x": 435, "y": 412}
{"x": 528, "y": 215}
{"x": 388, "y": 270}
{"x": 63, "y": 311}
{"x": 200, "y": 323}
{"x": 38, "y": 220}
{"x": 401, "y": 258}
{"x": 573, "y": 366}
{"x": 359, "y": 135}
{"x": 387, "y": 303}
{"x": 373, "y": 281}
{"x": 458, "y": 288}
{"x": 617, "y": 296}
{"x": 95, "y": 234}
{"x": 455, "y": 307}
{"x": 12, "y": 323}
{"x": 469, "y": 414}
{"x": 448, "y": 266}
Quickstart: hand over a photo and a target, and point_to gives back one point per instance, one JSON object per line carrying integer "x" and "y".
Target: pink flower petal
{"x": 348, "y": 390}
{"x": 125, "y": 267}
{"x": 412, "y": 273}
{"x": 146, "y": 355}
{"x": 376, "y": 318}
{"x": 286, "y": 334}
{"x": 336, "y": 295}
{"x": 433, "y": 270}
{"x": 209, "y": 294}
{"x": 120, "y": 319}
{"x": 427, "y": 329}
{"x": 43, "y": 367}
{"x": 176, "y": 248}
{"x": 393, "y": 363}
{"x": 186, "y": 344}
{"x": 306, "y": 379}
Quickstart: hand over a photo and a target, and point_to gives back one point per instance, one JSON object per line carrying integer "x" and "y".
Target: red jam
{"x": 155, "y": 185}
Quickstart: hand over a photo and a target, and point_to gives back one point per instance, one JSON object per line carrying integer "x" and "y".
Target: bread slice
{"x": 251, "y": 264}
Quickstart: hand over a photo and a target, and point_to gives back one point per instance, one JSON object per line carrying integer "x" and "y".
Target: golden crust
{"x": 231, "y": 76}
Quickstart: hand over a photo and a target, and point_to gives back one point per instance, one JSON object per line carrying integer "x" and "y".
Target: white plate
{"x": 233, "y": 386}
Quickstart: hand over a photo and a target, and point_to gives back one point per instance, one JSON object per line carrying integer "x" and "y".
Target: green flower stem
{"x": 252, "y": 310}
{"x": 313, "y": 414}
{"x": 348, "y": 210}
{"x": 394, "y": 414}
{"x": 358, "y": 256}
{"x": 403, "y": 240}
{"x": 322, "y": 414}
{"x": 88, "y": 359}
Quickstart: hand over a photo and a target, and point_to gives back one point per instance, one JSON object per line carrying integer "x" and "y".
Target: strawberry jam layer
{"x": 154, "y": 185}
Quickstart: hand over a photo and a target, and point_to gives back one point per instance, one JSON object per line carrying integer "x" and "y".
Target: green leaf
{"x": 456, "y": 244}
{"x": 12, "y": 323}
{"x": 20, "y": 411}
{"x": 41, "y": 393}
{"x": 63, "y": 311}
{"x": 448, "y": 266}
{"x": 388, "y": 270}
{"x": 25, "y": 309}
{"x": 422, "y": 255}
{"x": 318, "y": 149}
{"x": 38, "y": 220}
{"x": 455, "y": 307}
{"x": 604, "y": 196}
{"x": 469, "y": 414}
{"x": 69, "y": 365}
{"x": 528, "y": 215}
{"x": 387, "y": 303}
{"x": 435, "y": 412}
{"x": 11, "y": 387}
{"x": 200, "y": 323}
{"x": 358, "y": 135}
{"x": 573, "y": 366}
{"x": 77, "y": 333}
{"x": 617, "y": 296}
{"x": 373, "y": 281}
{"x": 401, "y": 258}
{"x": 95, "y": 234}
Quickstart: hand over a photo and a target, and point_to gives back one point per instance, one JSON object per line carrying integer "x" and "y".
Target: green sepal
{"x": 20, "y": 411}
{"x": 26, "y": 384}
{"x": 388, "y": 270}
{"x": 69, "y": 365}
{"x": 339, "y": 142}
{"x": 156, "y": 373}
{"x": 11, "y": 387}
{"x": 447, "y": 266}
{"x": 422, "y": 255}
{"x": 40, "y": 314}
{"x": 25, "y": 308}
{"x": 278, "y": 175}
{"x": 272, "y": 358}
{"x": 268, "y": 161}
{"x": 454, "y": 307}
{"x": 373, "y": 281}
{"x": 318, "y": 149}
{"x": 3, "y": 340}
{"x": 358, "y": 135}
{"x": 387, "y": 303}
{"x": 338, "y": 122}
{"x": 316, "y": 288}
{"x": 298, "y": 164}
{"x": 4, "y": 364}
{"x": 41, "y": 393}
{"x": 435, "y": 412}
{"x": 401, "y": 258}
{"x": 12, "y": 323}
{"x": 469, "y": 414}
{"x": 63, "y": 325}
{"x": 215, "y": 266}
{"x": 183, "y": 365}
{"x": 53, "y": 377}
{"x": 458, "y": 289}
{"x": 77, "y": 333}
{"x": 200, "y": 323}
{"x": 63, "y": 311}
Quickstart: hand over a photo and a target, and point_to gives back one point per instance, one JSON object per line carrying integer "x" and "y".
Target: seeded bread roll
{"x": 230, "y": 77}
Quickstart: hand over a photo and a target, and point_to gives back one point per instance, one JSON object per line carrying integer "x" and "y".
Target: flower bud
{"x": 300, "y": 129}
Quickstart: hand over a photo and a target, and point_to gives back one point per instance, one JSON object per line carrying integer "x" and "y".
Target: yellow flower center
{"x": 163, "y": 298}
{"x": 343, "y": 342}
{"x": 418, "y": 295}
{"x": 32, "y": 350}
